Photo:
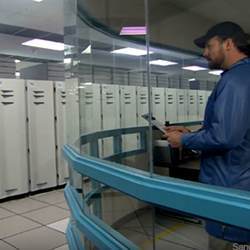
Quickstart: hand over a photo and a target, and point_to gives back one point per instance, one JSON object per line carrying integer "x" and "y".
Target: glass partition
{"x": 126, "y": 60}
{"x": 211, "y": 154}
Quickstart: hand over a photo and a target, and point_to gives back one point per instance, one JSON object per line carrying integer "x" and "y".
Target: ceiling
{"x": 22, "y": 20}
{"x": 172, "y": 22}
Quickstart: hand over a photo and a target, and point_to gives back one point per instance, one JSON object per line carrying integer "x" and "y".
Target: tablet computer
{"x": 155, "y": 123}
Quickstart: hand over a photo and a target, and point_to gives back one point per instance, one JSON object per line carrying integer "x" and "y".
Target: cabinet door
{"x": 192, "y": 105}
{"x": 142, "y": 105}
{"x": 110, "y": 114}
{"x": 158, "y": 99}
{"x": 128, "y": 116}
{"x": 182, "y": 105}
{"x": 13, "y": 138}
{"x": 61, "y": 135}
{"x": 41, "y": 134}
{"x": 171, "y": 105}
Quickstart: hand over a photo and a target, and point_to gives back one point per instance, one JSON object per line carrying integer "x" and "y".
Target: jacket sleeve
{"x": 229, "y": 121}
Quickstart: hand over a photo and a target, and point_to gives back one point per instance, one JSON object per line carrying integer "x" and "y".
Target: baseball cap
{"x": 225, "y": 30}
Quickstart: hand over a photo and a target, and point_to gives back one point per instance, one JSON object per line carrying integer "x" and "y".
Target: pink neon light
{"x": 135, "y": 30}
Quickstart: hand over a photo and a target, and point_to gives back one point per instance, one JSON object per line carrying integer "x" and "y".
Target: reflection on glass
{"x": 110, "y": 88}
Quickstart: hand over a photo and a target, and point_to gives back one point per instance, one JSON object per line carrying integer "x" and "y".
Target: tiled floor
{"x": 169, "y": 232}
{"x": 34, "y": 223}
{"x": 39, "y": 223}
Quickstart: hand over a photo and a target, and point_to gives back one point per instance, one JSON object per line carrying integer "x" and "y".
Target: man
{"x": 225, "y": 136}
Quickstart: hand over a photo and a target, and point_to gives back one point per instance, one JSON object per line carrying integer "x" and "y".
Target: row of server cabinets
{"x": 119, "y": 106}
{"x": 38, "y": 117}
{"x": 104, "y": 107}
{"x": 32, "y": 133}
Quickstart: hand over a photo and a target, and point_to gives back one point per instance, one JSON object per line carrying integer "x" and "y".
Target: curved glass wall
{"x": 128, "y": 188}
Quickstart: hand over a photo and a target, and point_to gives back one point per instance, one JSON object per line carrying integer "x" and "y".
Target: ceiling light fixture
{"x": 131, "y": 52}
{"x": 134, "y": 30}
{"x": 194, "y": 68}
{"x": 215, "y": 72}
{"x": 162, "y": 62}
{"x": 88, "y": 50}
{"x": 44, "y": 44}
{"x": 86, "y": 83}
{"x": 192, "y": 80}
{"x": 67, "y": 60}
{"x": 17, "y": 61}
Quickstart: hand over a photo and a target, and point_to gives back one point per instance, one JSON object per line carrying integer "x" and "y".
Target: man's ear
{"x": 228, "y": 44}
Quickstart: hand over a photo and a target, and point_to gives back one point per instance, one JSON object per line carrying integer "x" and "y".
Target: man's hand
{"x": 181, "y": 129}
{"x": 174, "y": 138}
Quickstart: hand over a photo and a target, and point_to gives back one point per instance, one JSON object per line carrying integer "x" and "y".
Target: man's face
{"x": 214, "y": 53}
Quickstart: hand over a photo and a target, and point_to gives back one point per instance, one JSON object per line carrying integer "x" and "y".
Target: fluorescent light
{"x": 131, "y": 52}
{"x": 134, "y": 30}
{"x": 38, "y": 1}
{"x": 44, "y": 44}
{"x": 192, "y": 80}
{"x": 17, "y": 61}
{"x": 162, "y": 62}
{"x": 67, "y": 60}
{"x": 215, "y": 72}
{"x": 87, "y": 50}
{"x": 86, "y": 83}
{"x": 194, "y": 68}
{"x": 75, "y": 62}
{"x": 17, "y": 74}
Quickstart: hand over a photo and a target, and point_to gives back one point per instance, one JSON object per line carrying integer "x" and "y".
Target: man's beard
{"x": 214, "y": 65}
{"x": 218, "y": 64}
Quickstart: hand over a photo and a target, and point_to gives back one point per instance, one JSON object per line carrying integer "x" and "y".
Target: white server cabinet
{"x": 41, "y": 126}
{"x": 128, "y": 115}
{"x": 90, "y": 111}
{"x": 192, "y": 96}
{"x": 158, "y": 100}
{"x": 171, "y": 105}
{"x": 182, "y": 105}
{"x": 13, "y": 138}
{"x": 110, "y": 114}
{"x": 142, "y": 105}
{"x": 61, "y": 133}
{"x": 90, "y": 108}
{"x": 202, "y": 100}
{"x": 73, "y": 122}
{"x": 72, "y": 110}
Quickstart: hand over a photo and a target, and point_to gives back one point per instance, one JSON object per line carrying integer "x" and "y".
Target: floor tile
{"x": 163, "y": 245}
{"x": 138, "y": 239}
{"x": 63, "y": 205}
{"x": 52, "y": 197}
{"x": 60, "y": 225}
{"x": 5, "y": 246}
{"x": 64, "y": 247}
{"x": 47, "y": 215}
{"x": 4, "y": 214}
{"x": 14, "y": 225}
{"x": 23, "y": 205}
{"x": 43, "y": 238}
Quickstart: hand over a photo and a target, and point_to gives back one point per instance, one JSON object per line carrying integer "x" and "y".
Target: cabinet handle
{"x": 7, "y": 103}
{"x": 7, "y": 95}
{"x": 38, "y": 103}
{"x": 10, "y": 190}
{"x": 41, "y": 183}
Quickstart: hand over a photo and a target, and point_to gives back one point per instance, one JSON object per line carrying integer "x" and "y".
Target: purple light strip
{"x": 135, "y": 30}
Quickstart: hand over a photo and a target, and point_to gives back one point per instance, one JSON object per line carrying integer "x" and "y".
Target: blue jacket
{"x": 225, "y": 140}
